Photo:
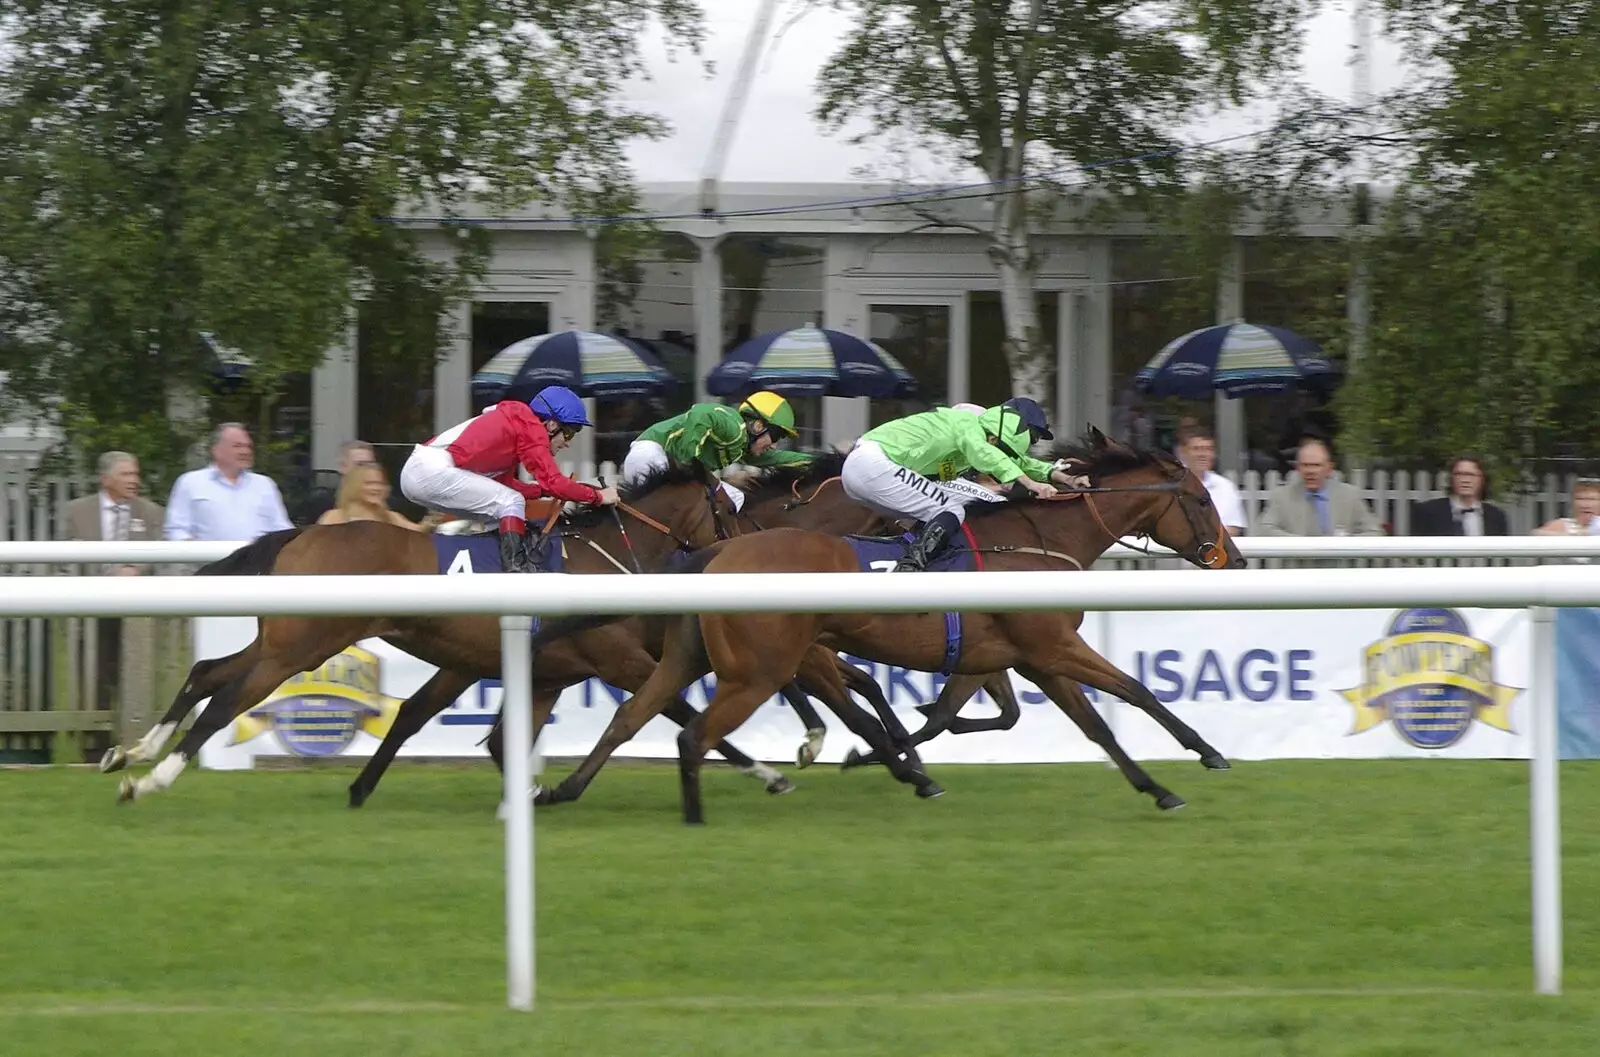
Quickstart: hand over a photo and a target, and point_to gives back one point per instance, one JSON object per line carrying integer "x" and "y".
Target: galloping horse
{"x": 672, "y": 511}
{"x": 813, "y": 498}
{"x": 1136, "y": 492}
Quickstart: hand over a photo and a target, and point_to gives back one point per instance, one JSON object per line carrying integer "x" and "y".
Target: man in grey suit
{"x": 1312, "y": 504}
{"x": 114, "y": 512}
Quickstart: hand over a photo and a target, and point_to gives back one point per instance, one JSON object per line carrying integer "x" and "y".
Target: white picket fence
{"x": 37, "y": 654}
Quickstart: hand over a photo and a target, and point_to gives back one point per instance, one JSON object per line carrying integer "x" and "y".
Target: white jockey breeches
{"x": 645, "y": 456}
{"x": 431, "y": 479}
{"x": 873, "y": 479}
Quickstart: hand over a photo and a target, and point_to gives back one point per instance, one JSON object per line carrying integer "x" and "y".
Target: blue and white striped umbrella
{"x": 590, "y": 364}
{"x": 811, "y": 361}
{"x": 1240, "y": 359}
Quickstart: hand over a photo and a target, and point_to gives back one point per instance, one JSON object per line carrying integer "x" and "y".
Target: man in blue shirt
{"x": 1312, "y": 503}
{"x": 225, "y": 501}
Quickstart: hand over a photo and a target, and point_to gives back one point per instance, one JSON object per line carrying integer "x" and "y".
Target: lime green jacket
{"x": 944, "y": 444}
{"x": 714, "y": 436}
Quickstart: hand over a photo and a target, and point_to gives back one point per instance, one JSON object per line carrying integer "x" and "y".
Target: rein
{"x": 651, "y": 522}
{"x": 1207, "y": 553}
{"x": 794, "y": 489}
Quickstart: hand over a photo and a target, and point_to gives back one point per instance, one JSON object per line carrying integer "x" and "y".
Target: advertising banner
{"x": 1257, "y": 685}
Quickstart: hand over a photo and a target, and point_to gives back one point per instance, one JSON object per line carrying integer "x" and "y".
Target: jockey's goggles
{"x": 570, "y": 431}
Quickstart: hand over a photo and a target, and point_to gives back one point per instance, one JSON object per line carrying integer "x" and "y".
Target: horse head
{"x": 681, "y": 506}
{"x": 1150, "y": 493}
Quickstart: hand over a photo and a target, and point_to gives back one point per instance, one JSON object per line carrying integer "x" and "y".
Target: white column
{"x": 452, "y": 372}
{"x": 1094, "y": 361}
{"x": 1229, "y": 414}
{"x": 843, "y": 418}
{"x": 960, "y": 359}
{"x": 578, "y": 314}
{"x": 707, "y": 312}
{"x": 1068, "y": 418}
{"x": 333, "y": 398}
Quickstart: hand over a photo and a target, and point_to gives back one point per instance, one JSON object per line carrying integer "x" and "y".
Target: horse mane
{"x": 660, "y": 477}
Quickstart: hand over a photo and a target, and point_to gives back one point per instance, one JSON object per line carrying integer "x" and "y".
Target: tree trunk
{"x": 1027, "y": 352}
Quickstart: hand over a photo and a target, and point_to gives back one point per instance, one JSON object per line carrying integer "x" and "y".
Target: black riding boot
{"x": 514, "y": 551}
{"x": 929, "y": 543}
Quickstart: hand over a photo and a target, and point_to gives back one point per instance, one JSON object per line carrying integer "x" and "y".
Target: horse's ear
{"x": 1097, "y": 438}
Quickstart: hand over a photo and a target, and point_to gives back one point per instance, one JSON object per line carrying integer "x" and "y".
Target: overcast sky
{"x": 778, "y": 140}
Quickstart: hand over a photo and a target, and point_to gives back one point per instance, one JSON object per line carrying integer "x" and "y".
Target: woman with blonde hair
{"x": 364, "y": 496}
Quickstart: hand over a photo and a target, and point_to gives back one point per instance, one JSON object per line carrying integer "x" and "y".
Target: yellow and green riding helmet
{"x": 770, "y": 408}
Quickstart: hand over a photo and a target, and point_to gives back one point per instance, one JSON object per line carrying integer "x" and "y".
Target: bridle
{"x": 1207, "y": 553}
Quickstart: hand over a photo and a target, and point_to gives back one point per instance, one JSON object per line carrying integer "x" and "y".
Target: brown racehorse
{"x": 1135, "y": 493}
{"x": 810, "y": 497}
{"x": 670, "y": 511}
{"x": 807, "y": 498}
{"x": 813, "y": 498}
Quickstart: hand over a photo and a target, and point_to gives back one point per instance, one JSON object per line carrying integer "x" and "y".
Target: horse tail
{"x": 253, "y": 559}
{"x": 566, "y": 627}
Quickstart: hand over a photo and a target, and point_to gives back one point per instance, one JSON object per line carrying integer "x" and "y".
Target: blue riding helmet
{"x": 559, "y": 404}
{"x": 1033, "y": 417}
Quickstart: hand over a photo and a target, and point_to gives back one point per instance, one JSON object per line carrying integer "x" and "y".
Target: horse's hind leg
{"x": 999, "y": 687}
{"x": 956, "y": 693}
{"x": 205, "y": 678}
{"x": 307, "y": 644}
{"x": 433, "y": 697}
{"x": 861, "y": 683}
{"x": 826, "y": 677}
{"x": 1069, "y": 697}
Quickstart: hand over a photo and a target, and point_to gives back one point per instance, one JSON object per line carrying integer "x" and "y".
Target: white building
{"x": 779, "y": 255}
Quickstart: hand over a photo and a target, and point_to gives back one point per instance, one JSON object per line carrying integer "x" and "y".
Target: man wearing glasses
{"x": 1465, "y": 511}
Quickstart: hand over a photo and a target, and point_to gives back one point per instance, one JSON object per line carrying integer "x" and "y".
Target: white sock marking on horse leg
{"x": 147, "y": 747}
{"x": 762, "y": 773}
{"x": 162, "y": 775}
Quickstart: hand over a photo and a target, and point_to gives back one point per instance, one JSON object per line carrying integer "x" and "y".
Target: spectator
{"x": 1585, "y": 517}
{"x": 322, "y": 499}
{"x": 364, "y": 496}
{"x": 1465, "y": 511}
{"x": 1197, "y": 449}
{"x": 225, "y": 501}
{"x": 115, "y": 512}
{"x": 1312, "y": 504}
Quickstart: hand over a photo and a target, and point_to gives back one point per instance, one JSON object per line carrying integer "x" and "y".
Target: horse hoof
{"x": 543, "y": 797}
{"x": 357, "y": 796}
{"x": 931, "y": 791}
{"x": 1170, "y": 802}
{"x": 114, "y": 759}
{"x": 779, "y": 786}
{"x": 1215, "y": 762}
{"x": 805, "y": 756}
{"x": 852, "y": 759}
{"x": 125, "y": 793}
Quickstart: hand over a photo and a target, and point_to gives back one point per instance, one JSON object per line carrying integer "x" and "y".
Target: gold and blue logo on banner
{"x": 318, "y": 713}
{"x": 1432, "y": 679}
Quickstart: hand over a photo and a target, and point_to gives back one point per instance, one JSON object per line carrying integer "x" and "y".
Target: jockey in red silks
{"x": 471, "y": 469}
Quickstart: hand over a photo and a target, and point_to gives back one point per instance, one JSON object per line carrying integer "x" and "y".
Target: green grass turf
{"x": 1297, "y": 908}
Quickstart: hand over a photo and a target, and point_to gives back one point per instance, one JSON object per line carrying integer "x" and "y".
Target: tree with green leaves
{"x": 172, "y": 167}
{"x": 1486, "y": 269}
{"x": 1039, "y": 95}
